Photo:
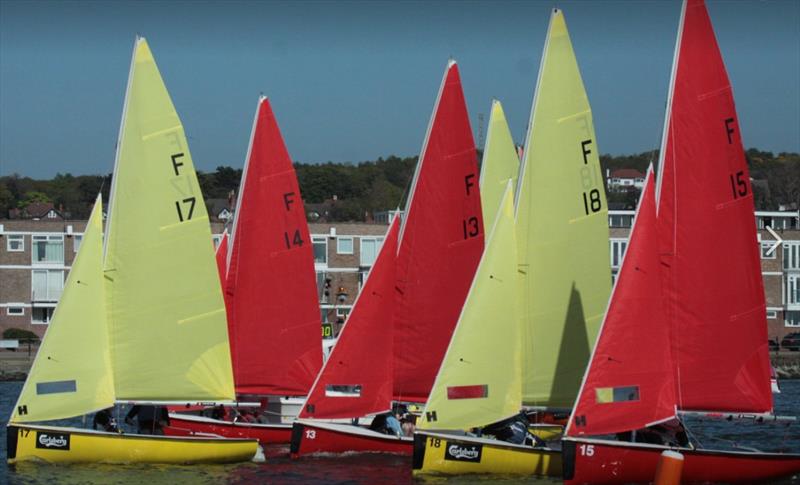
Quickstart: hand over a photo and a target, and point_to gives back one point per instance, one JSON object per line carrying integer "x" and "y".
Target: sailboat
{"x": 439, "y": 245}
{"x": 685, "y": 331}
{"x": 271, "y": 293}
{"x": 141, "y": 319}
{"x": 562, "y": 283}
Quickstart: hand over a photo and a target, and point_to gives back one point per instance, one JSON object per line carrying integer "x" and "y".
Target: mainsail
{"x": 480, "y": 379}
{"x": 441, "y": 242}
{"x": 72, "y": 371}
{"x": 562, "y": 230}
{"x": 500, "y": 163}
{"x": 167, "y": 333}
{"x": 714, "y": 295}
{"x": 629, "y": 383}
{"x": 357, "y": 377}
{"x": 271, "y": 290}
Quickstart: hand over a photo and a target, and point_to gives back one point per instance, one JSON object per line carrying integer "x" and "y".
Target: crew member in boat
{"x": 669, "y": 433}
{"x": 513, "y": 430}
{"x": 149, "y": 419}
{"x": 104, "y": 420}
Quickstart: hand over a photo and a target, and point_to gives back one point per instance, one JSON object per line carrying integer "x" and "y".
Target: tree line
{"x": 366, "y": 187}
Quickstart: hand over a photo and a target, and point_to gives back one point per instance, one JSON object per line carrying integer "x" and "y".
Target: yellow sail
{"x": 500, "y": 163}
{"x": 168, "y": 329}
{"x": 72, "y": 371}
{"x": 562, "y": 230}
{"x": 480, "y": 379}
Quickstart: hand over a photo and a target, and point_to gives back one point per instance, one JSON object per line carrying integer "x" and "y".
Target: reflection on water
{"x": 361, "y": 468}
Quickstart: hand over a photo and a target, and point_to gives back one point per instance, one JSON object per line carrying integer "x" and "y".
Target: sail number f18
{"x": 589, "y": 180}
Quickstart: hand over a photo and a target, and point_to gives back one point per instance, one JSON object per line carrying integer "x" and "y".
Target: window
{"x": 15, "y": 311}
{"x": 772, "y": 314}
{"x": 370, "y": 246}
{"x": 792, "y": 319}
{"x": 620, "y": 220}
{"x": 791, "y": 255}
{"x": 320, "y": 250}
{"x": 323, "y": 286}
{"x": 77, "y": 239}
{"x": 765, "y": 250}
{"x": 42, "y": 314}
{"x": 618, "y": 247}
{"x": 344, "y": 245}
{"x": 46, "y": 285}
{"x": 793, "y": 289}
{"x": 342, "y": 313}
{"x": 48, "y": 249}
{"x": 15, "y": 243}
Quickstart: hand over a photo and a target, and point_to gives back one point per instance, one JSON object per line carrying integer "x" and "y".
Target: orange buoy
{"x": 670, "y": 466}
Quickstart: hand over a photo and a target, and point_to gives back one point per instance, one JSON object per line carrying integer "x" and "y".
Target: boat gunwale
{"x": 487, "y": 441}
{"x": 98, "y": 433}
{"x": 353, "y": 430}
{"x": 681, "y": 449}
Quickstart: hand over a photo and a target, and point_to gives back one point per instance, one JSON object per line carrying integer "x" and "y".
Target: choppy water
{"x": 361, "y": 468}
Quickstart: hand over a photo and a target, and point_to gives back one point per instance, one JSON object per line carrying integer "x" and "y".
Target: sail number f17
{"x": 184, "y": 207}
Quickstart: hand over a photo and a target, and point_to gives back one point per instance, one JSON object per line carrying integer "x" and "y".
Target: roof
{"x": 627, "y": 173}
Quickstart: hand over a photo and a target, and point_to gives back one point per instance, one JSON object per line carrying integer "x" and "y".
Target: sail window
{"x": 15, "y": 243}
{"x": 344, "y": 245}
{"x": 607, "y": 395}
{"x": 340, "y": 390}
{"x": 56, "y": 387}
{"x": 468, "y": 392}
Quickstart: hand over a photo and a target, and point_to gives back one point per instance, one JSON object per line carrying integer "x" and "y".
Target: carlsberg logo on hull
{"x": 52, "y": 441}
{"x": 460, "y": 452}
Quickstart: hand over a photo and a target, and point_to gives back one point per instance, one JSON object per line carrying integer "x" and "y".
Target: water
{"x": 362, "y": 468}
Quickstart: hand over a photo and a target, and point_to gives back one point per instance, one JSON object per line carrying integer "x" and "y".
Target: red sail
{"x": 222, "y": 257}
{"x": 629, "y": 383}
{"x": 357, "y": 377}
{"x": 440, "y": 246}
{"x": 712, "y": 275}
{"x": 273, "y": 312}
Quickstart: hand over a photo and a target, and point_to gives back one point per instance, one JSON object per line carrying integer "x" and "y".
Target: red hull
{"x": 607, "y": 462}
{"x": 308, "y": 439}
{"x": 266, "y": 434}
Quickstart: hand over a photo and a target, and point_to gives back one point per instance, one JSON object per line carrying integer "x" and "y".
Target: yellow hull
{"x": 546, "y": 432}
{"x": 455, "y": 455}
{"x": 71, "y": 445}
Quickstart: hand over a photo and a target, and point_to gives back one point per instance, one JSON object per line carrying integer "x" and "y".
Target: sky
{"x": 354, "y": 81}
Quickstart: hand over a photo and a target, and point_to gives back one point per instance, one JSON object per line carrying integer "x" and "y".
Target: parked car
{"x": 773, "y": 345}
{"x": 791, "y": 341}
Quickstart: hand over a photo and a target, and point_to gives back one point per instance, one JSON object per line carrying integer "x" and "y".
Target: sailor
{"x": 150, "y": 419}
{"x": 104, "y": 420}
